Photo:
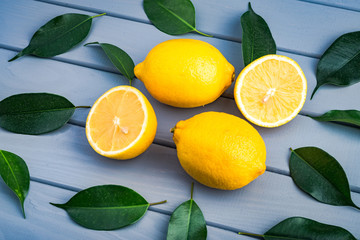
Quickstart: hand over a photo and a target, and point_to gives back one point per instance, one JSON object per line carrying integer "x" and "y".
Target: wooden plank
{"x": 222, "y": 19}
{"x": 73, "y": 82}
{"x": 353, "y": 5}
{"x": 45, "y": 221}
{"x": 121, "y": 33}
{"x": 64, "y": 157}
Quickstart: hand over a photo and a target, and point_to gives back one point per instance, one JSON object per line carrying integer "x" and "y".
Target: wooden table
{"x": 62, "y": 163}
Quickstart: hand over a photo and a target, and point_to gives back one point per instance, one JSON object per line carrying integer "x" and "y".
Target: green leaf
{"x": 106, "y": 207}
{"x": 257, "y": 40}
{"x": 187, "y": 222}
{"x": 34, "y": 113}
{"x": 173, "y": 17}
{"x": 58, "y": 35}
{"x": 121, "y": 60}
{"x": 304, "y": 228}
{"x": 15, "y": 174}
{"x": 319, "y": 174}
{"x": 299, "y": 228}
{"x": 339, "y": 65}
{"x": 343, "y": 116}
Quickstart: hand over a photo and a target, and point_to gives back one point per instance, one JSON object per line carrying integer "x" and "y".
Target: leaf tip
{"x": 86, "y": 44}
{"x": 14, "y": 58}
{"x": 23, "y": 209}
{"x": 58, "y": 205}
{"x": 315, "y": 90}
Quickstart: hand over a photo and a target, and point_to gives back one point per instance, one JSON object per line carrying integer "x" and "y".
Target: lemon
{"x": 271, "y": 90}
{"x": 185, "y": 73}
{"x": 220, "y": 150}
{"x": 121, "y": 124}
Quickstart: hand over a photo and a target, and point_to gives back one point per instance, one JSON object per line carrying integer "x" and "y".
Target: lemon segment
{"x": 271, "y": 90}
{"x": 121, "y": 124}
{"x": 220, "y": 150}
{"x": 185, "y": 73}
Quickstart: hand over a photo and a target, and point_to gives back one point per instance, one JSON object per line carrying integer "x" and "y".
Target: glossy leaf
{"x": 319, "y": 174}
{"x": 15, "y": 174}
{"x": 58, "y": 35}
{"x": 343, "y": 116}
{"x": 299, "y": 228}
{"x": 257, "y": 40}
{"x": 187, "y": 222}
{"x": 105, "y": 207}
{"x": 121, "y": 60}
{"x": 173, "y": 17}
{"x": 34, "y": 113}
{"x": 339, "y": 65}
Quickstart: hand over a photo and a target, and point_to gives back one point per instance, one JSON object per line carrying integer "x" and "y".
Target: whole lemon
{"x": 220, "y": 150}
{"x": 185, "y": 73}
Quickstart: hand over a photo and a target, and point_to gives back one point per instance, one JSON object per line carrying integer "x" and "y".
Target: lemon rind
{"x": 250, "y": 67}
{"x": 143, "y": 127}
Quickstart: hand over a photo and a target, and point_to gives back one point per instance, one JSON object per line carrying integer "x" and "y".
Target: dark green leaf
{"x": 15, "y": 174}
{"x": 34, "y": 113}
{"x": 187, "y": 222}
{"x": 304, "y": 228}
{"x": 299, "y": 228}
{"x": 343, "y": 116}
{"x": 121, "y": 60}
{"x": 257, "y": 40}
{"x": 105, "y": 207}
{"x": 173, "y": 17}
{"x": 320, "y": 175}
{"x": 339, "y": 65}
{"x": 58, "y": 35}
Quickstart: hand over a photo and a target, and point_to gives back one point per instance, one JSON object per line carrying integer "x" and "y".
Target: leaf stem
{"x": 172, "y": 130}
{"x": 204, "y": 34}
{"x": 157, "y": 203}
{"x": 192, "y": 190}
{"x": 250, "y": 234}
{"x": 98, "y": 15}
{"x": 83, "y": 107}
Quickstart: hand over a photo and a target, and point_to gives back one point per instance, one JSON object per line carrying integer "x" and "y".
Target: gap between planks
{"x": 78, "y": 63}
{"x": 151, "y": 208}
{"x": 165, "y": 143}
{"x": 323, "y": 4}
{"x": 115, "y": 15}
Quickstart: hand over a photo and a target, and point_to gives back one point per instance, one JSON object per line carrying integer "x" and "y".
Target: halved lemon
{"x": 121, "y": 124}
{"x": 271, "y": 90}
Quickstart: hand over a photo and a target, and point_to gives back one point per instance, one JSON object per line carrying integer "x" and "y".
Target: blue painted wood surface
{"x": 62, "y": 162}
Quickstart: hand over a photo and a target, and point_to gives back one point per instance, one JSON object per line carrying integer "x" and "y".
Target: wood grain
{"x": 45, "y": 221}
{"x": 293, "y": 32}
{"x": 64, "y": 157}
{"x": 82, "y": 86}
{"x": 63, "y": 162}
{"x": 121, "y": 32}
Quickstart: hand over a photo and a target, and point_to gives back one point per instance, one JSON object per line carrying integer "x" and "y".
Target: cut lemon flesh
{"x": 271, "y": 90}
{"x": 121, "y": 124}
